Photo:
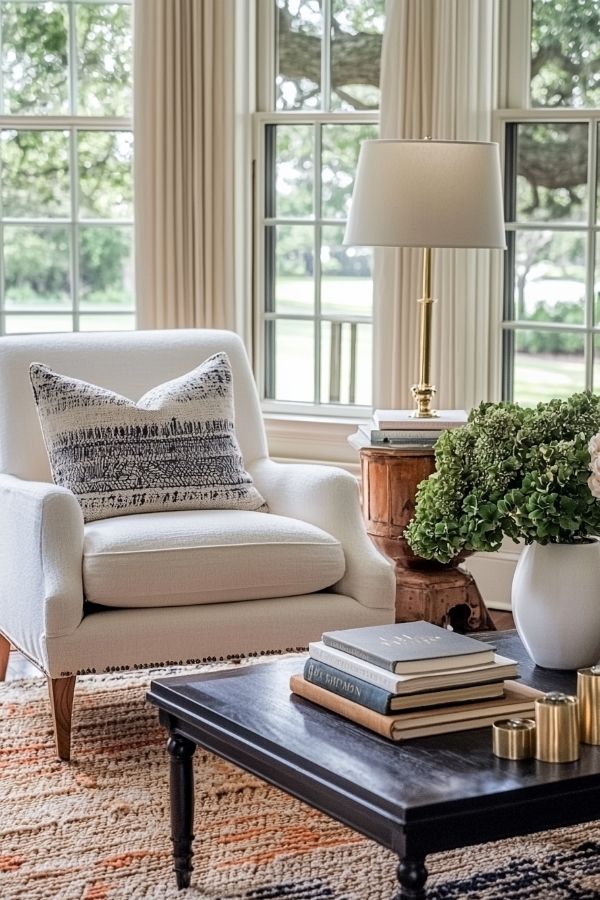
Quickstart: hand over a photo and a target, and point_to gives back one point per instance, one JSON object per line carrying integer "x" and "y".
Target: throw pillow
{"x": 174, "y": 449}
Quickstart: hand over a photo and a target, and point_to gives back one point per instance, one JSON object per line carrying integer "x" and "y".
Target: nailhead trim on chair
{"x": 231, "y": 657}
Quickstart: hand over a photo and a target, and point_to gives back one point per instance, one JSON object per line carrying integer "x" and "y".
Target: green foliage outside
{"x": 37, "y": 164}
{"x": 514, "y": 471}
{"x": 565, "y": 58}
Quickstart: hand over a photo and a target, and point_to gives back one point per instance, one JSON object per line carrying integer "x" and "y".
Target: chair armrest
{"x": 41, "y": 550}
{"x": 328, "y": 497}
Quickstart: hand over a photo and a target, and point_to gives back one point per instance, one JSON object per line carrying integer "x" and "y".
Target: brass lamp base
{"x": 424, "y": 391}
{"x": 423, "y": 395}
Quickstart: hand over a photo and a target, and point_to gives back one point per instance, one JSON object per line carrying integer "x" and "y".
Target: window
{"x": 66, "y": 190}
{"x": 320, "y": 102}
{"x": 551, "y": 328}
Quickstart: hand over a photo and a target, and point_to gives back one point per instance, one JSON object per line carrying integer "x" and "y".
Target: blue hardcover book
{"x": 384, "y": 702}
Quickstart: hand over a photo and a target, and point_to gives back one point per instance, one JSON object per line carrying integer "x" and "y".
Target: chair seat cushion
{"x": 205, "y": 556}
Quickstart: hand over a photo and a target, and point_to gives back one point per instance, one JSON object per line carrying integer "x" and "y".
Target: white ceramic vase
{"x": 556, "y": 603}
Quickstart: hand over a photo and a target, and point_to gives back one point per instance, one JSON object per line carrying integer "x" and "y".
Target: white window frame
{"x": 72, "y": 124}
{"x": 267, "y": 115}
{"x": 514, "y": 93}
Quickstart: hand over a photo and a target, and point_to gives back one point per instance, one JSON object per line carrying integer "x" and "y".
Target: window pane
{"x": 294, "y": 268}
{"x": 346, "y": 356}
{"x": 550, "y": 277}
{"x": 35, "y": 174}
{"x": 106, "y": 267}
{"x": 340, "y": 149}
{"x": 346, "y": 284}
{"x": 105, "y": 174}
{"x": 104, "y": 46}
{"x": 299, "y": 31}
{"x": 36, "y": 267}
{"x": 37, "y": 324}
{"x": 35, "y": 57}
{"x": 294, "y": 360}
{"x": 547, "y": 364}
{"x": 294, "y": 171}
{"x": 356, "y": 34}
{"x": 565, "y": 53}
{"x": 107, "y": 323}
{"x": 552, "y": 164}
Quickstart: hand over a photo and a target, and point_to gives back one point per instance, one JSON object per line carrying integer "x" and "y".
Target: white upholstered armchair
{"x": 168, "y": 587}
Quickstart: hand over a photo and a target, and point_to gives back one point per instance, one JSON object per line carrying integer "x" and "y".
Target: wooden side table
{"x": 442, "y": 594}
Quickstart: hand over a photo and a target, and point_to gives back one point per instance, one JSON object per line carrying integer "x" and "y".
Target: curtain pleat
{"x": 437, "y": 79}
{"x": 184, "y": 115}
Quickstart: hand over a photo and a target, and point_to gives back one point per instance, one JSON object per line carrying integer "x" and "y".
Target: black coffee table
{"x": 425, "y": 795}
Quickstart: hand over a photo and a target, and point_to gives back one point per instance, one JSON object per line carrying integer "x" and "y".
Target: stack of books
{"x": 412, "y": 679}
{"x": 399, "y": 428}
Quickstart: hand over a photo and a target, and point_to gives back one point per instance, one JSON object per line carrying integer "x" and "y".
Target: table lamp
{"x": 427, "y": 194}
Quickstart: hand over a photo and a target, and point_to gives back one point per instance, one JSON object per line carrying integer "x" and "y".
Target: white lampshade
{"x": 427, "y": 194}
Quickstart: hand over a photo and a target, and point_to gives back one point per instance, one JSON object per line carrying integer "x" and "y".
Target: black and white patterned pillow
{"x": 174, "y": 449}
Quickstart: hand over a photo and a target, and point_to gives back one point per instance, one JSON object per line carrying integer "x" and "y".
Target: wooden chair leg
{"x": 61, "y": 701}
{"x": 4, "y": 651}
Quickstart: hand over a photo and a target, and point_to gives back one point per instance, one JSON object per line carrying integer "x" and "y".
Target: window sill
{"x": 312, "y": 439}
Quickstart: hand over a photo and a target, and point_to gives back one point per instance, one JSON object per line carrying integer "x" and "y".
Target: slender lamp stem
{"x": 423, "y": 391}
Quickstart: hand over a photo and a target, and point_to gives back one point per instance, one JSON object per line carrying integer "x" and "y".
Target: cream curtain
{"x": 437, "y": 79}
{"x": 184, "y": 118}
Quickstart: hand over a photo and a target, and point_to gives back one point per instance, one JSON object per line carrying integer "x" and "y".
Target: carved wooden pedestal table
{"x": 442, "y": 594}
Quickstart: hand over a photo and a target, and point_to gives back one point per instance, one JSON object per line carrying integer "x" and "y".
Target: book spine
{"x": 380, "y": 436}
{"x": 359, "y": 653}
{"x": 348, "y": 686}
{"x": 351, "y": 665}
{"x": 383, "y": 725}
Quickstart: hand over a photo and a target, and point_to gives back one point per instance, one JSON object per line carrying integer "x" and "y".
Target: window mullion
{"x": 74, "y": 229}
{"x": 72, "y": 63}
{"x": 591, "y": 251}
{"x": 326, "y": 57}
{"x": 317, "y": 260}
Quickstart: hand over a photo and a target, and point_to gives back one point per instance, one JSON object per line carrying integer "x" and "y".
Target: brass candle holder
{"x": 557, "y": 728}
{"x": 514, "y": 738}
{"x": 588, "y": 692}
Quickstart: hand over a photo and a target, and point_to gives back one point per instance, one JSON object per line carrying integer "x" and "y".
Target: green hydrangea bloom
{"x": 511, "y": 471}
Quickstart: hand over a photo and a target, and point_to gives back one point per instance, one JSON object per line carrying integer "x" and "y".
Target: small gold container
{"x": 514, "y": 738}
{"x": 557, "y": 728}
{"x": 588, "y": 693}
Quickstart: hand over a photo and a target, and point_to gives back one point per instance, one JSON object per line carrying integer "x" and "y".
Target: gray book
{"x": 412, "y": 683}
{"x": 409, "y": 647}
{"x": 405, "y": 438}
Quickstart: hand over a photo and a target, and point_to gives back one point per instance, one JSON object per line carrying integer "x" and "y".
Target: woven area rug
{"x": 98, "y": 829}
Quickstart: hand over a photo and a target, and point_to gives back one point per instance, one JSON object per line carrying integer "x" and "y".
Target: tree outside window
{"x": 66, "y": 152}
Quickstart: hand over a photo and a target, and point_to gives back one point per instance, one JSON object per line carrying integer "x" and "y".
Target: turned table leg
{"x": 181, "y": 751}
{"x": 412, "y": 876}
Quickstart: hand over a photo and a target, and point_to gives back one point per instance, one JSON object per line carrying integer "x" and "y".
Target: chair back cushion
{"x": 173, "y": 449}
{"x": 128, "y": 363}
